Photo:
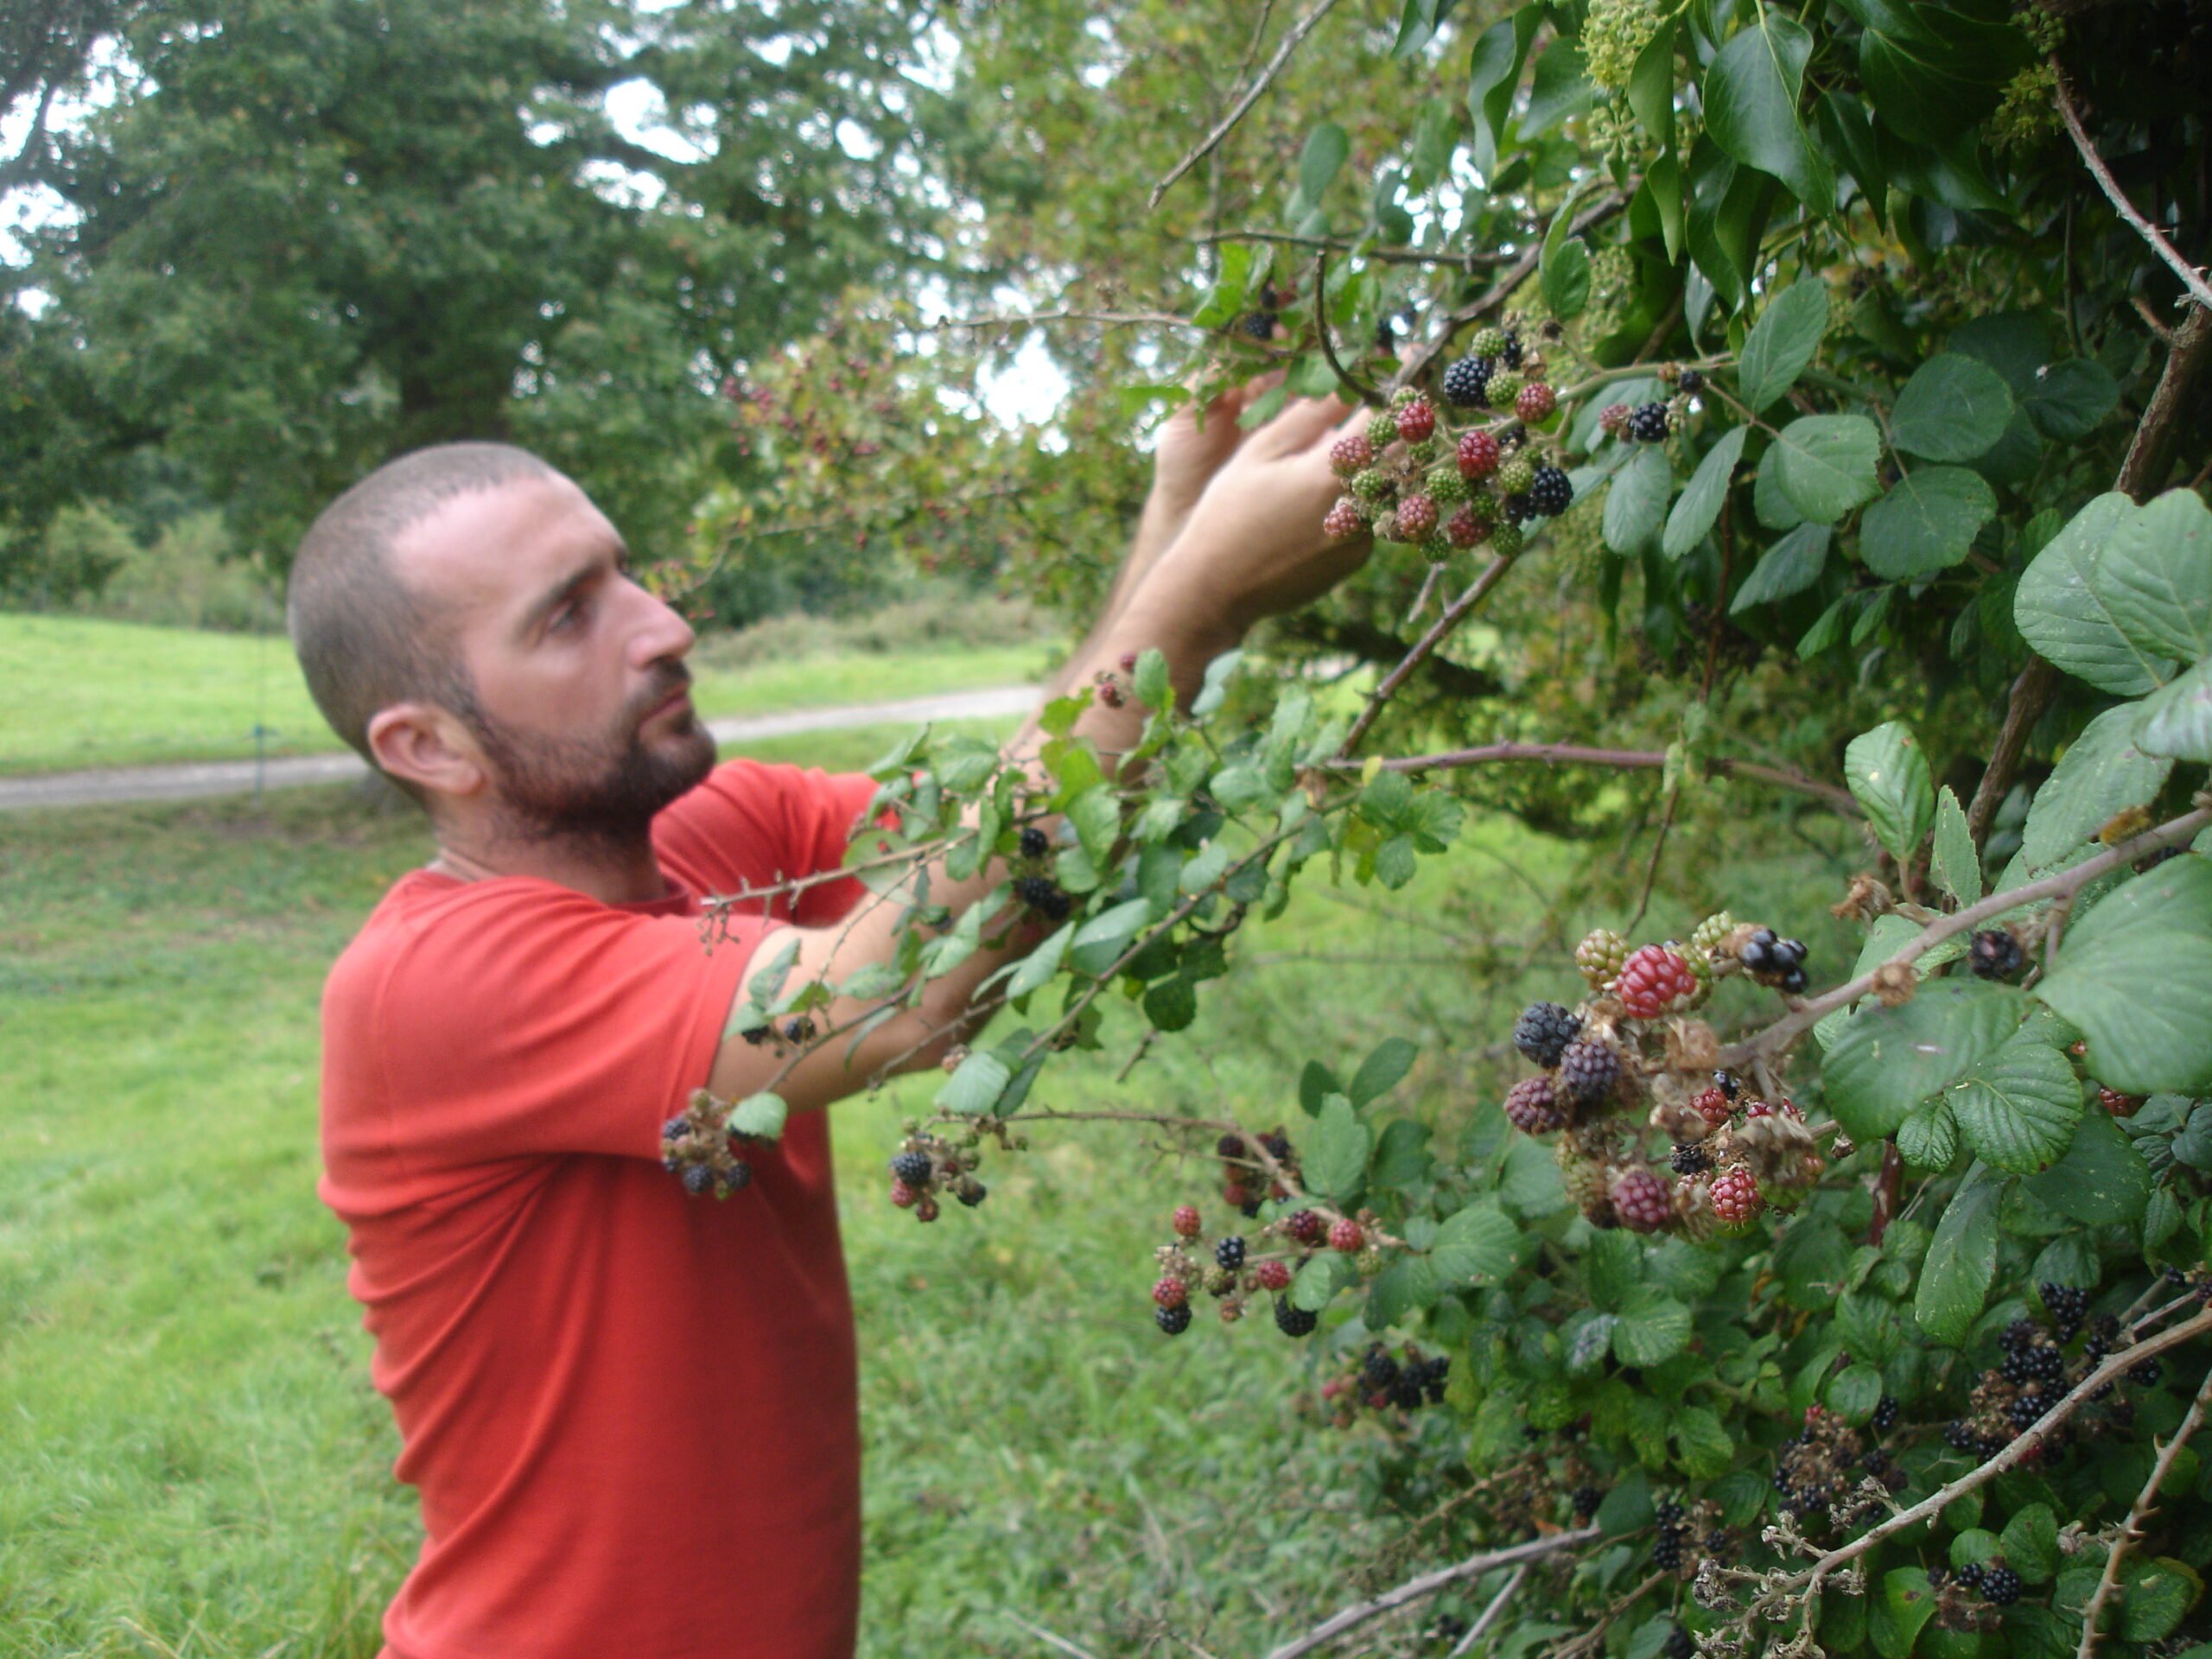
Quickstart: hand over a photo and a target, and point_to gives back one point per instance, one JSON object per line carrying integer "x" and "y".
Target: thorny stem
{"x": 2131, "y": 1531}
{"x": 1581, "y": 754}
{"x": 1291, "y": 42}
{"x": 2192, "y": 279}
{"x": 1454, "y": 614}
{"x": 1481, "y": 1626}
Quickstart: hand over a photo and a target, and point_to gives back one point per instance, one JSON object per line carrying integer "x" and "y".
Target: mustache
{"x": 678, "y": 679}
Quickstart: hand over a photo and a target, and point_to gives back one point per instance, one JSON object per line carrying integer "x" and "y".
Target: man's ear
{"x": 427, "y": 746}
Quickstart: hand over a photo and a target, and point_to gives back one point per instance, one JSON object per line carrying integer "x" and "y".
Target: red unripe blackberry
{"x": 903, "y": 1195}
{"x": 1416, "y": 420}
{"x": 1343, "y": 519}
{"x": 1641, "y": 1201}
{"x": 1479, "y": 454}
{"x": 1535, "y": 402}
{"x": 1236, "y": 1195}
{"x": 1652, "y": 981}
{"x": 1229, "y": 1146}
{"x": 1304, "y": 1226}
{"x": 2118, "y": 1104}
{"x": 1187, "y": 1222}
{"x": 1272, "y": 1274}
{"x": 1589, "y": 1069}
{"x": 925, "y": 1208}
{"x": 1467, "y": 528}
{"x": 1351, "y": 454}
{"x": 1736, "y": 1196}
{"x": 1171, "y": 1292}
{"x": 1346, "y": 1237}
{"x": 1711, "y": 1105}
{"x": 1109, "y": 693}
{"x": 1416, "y": 517}
{"x": 1173, "y": 1320}
{"x": 1612, "y": 419}
{"x": 1532, "y": 1106}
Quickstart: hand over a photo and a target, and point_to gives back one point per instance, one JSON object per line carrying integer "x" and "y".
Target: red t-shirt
{"x": 631, "y": 1415}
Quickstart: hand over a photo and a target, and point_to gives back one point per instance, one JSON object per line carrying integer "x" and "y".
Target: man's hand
{"x": 1194, "y": 443}
{"x": 1254, "y": 545}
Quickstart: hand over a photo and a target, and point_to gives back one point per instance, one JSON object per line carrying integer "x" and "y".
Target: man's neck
{"x": 614, "y": 875}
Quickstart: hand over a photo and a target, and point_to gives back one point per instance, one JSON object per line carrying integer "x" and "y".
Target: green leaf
{"x": 1953, "y": 408}
{"x": 1769, "y": 505}
{"x": 1954, "y": 1278}
{"x": 1637, "y": 502}
{"x": 1335, "y": 1154}
{"x": 1559, "y": 89}
{"x": 1888, "y": 776}
{"x": 1565, "y": 274}
{"x": 2030, "y": 1543}
{"x": 2102, "y": 772}
{"x": 1653, "y": 1326}
{"x": 1318, "y": 1282}
{"x": 1750, "y": 106}
{"x": 1790, "y": 566}
{"x": 1327, "y": 148}
{"x": 761, "y": 1116}
{"x": 1826, "y": 464}
{"x": 1953, "y": 863}
{"x": 1928, "y": 521}
{"x": 2159, "y": 1601}
{"x": 2156, "y": 577}
{"x": 1224, "y": 300}
{"x": 1854, "y": 1392}
{"x": 1154, "y": 688}
{"x": 1888, "y": 1060}
{"x": 1171, "y": 1004}
{"x": 2177, "y": 721}
{"x": 1476, "y": 1243}
{"x": 1894, "y": 1619}
{"x": 2102, "y": 1182}
{"x": 1613, "y": 1268}
{"x": 976, "y": 1086}
{"x": 2018, "y": 1109}
{"x": 1101, "y": 939}
{"x": 1702, "y": 1446}
{"x": 1041, "y": 964}
{"x": 2135, "y": 975}
{"x": 1781, "y": 343}
{"x": 2069, "y": 400}
{"x": 1401, "y": 1156}
{"x": 1702, "y": 497}
{"x": 2068, "y": 607}
{"x": 1380, "y": 1071}
{"x": 1493, "y": 71}
{"x": 1315, "y": 1084}
{"x": 1928, "y": 1137}
{"x": 1933, "y": 71}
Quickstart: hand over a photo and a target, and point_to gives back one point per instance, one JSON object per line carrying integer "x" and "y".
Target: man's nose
{"x": 661, "y": 634}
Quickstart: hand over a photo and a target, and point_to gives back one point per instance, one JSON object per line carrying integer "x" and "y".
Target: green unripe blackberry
{"x": 1372, "y": 486}
{"x": 1382, "y": 429}
{"x": 1505, "y": 387}
{"x": 1506, "y": 540}
{"x": 1424, "y": 452}
{"x": 1404, "y": 397}
{"x": 1487, "y": 342}
{"x": 1600, "y": 957}
{"x": 1515, "y": 477}
{"x": 1710, "y": 932}
{"x": 1445, "y": 487}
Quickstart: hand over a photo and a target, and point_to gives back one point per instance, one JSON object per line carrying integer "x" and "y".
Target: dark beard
{"x": 597, "y": 794}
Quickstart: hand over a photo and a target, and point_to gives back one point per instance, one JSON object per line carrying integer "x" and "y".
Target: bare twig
{"x": 1366, "y": 393}
{"x": 2192, "y": 279}
{"x": 1580, "y": 754}
{"x": 2131, "y": 1531}
{"x": 1291, "y": 42}
{"x": 1481, "y": 1626}
{"x": 1388, "y": 256}
{"x": 1427, "y": 1584}
{"x": 1454, "y": 614}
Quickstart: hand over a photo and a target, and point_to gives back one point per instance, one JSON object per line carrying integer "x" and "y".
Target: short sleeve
{"x": 526, "y": 1019}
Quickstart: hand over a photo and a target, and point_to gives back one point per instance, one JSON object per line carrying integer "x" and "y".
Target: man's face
{"x": 578, "y": 703}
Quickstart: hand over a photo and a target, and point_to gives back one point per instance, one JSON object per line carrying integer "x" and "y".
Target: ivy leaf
{"x": 1790, "y": 566}
{"x": 1953, "y": 863}
{"x": 1478, "y": 1242}
{"x": 1888, "y": 776}
{"x": 1781, "y": 343}
{"x": 1955, "y": 1279}
{"x": 2102, "y": 771}
{"x": 1750, "y": 106}
{"x": 1336, "y": 1156}
{"x": 2102, "y": 1182}
{"x": 1637, "y": 502}
{"x": 2135, "y": 975}
{"x": 1653, "y": 1326}
{"x": 1826, "y": 464}
{"x": 1927, "y": 522}
{"x": 761, "y": 1116}
{"x": 1888, "y": 1060}
{"x": 1702, "y": 498}
{"x": 1955, "y": 408}
{"x": 2018, "y": 1109}
{"x": 2068, "y": 610}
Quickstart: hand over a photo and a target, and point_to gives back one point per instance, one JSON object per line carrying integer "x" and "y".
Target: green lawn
{"x": 192, "y": 1462}
{"x": 82, "y": 692}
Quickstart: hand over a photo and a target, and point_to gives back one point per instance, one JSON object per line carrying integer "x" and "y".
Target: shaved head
{"x": 365, "y": 639}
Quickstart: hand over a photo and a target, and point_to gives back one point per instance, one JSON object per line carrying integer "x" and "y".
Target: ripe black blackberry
{"x": 1690, "y": 381}
{"x": 1667, "y": 1554}
{"x": 675, "y": 1128}
{"x": 2148, "y": 1373}
{"x": 1261, "y": 325}
{"x": 1995, "y": 954}
{"x": 1230, "y": 1252}
{"x": 1679, "y": 1644}
{"x": 1173, "y": 1321}
{"x": 699, "y": 1180}
{"x": 1589, "y": 1069}
{"x": 1543, "y": 1030}
{"x": 2024, "y": 1411}
{"x": 1466, "y": 382}
{"x": 1886, "y": 1414}
{"x": 1959, "y": 1434}
{"x": 1552, "y": 493}
{"x": 1278, "y": 1145}
{"x": 1406, "y": 1392}
{"x": 1668, "y": 1514}
{"x": 1510, "y": 355}
{"x": 1518, "y": 508}
{"x": 1378, "y": 1368}
{"x": 912, "y": 1167}
{"x": 1293, "y": 1320}
{"x": 1728, "y": 1083}
{"x": 1971, "y": 1576}
{"x": 2000, "y": 1585}
{"x": 1043, "y": 896}
{"x": 2068, "y": 1305}
{"x": 1647, "y": 422}
{"x": 1585, "y": 1501}
{"x": 1690, "y": 1159}
{"x": 2046, "y": 1364}
{"x": 1035, "y": 844}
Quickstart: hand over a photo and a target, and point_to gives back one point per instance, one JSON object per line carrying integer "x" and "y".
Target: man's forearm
{"x": 1156, "y": 531}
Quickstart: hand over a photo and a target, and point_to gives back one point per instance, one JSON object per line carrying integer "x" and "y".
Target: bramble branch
{"x": 1388, "y": 256}
{"x": 1291, "y": 42}
{"x": 1580, "y": 754}
{"x": 1454, "y": 615}
{"x": 1428, "y": 1585}
{"x": 2131, "y": 1531}
{"x": 2192, "y": 279}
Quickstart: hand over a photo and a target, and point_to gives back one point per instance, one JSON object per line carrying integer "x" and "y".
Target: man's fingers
{"x": 1302, "y": 423}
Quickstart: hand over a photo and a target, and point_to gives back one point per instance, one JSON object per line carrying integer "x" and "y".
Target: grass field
{"x": 82, "y": 692}
{"x": 193, "y": 1463}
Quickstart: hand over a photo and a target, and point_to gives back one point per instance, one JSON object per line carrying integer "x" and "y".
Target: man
{"x": 631, "y": 1416}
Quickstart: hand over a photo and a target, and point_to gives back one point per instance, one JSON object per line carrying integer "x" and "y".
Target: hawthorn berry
{"x": 1293, "y": 1320}
{"x": 1641, "y": 1201}
{"x": 1652, "y": 981}
{"x": 1532, "y": 1106}
{"x": 1187, "y": 1222}
{"x": 1346, "y": 1237}
{"x": 1416, "y": 420}
{"x": 1171, "y": 1292}
{"x": 1536, "y": 403}
{"x": 1736, "y": 1196}
{"x": 1995, "y": 954}
{"x": 1479, "y": 454}
{"x": 1543, "y": 1032}
{"x": 1272, "y": 1274}
{"x": 1589, "y": 1069}
{"x": 1173, "y": 1321}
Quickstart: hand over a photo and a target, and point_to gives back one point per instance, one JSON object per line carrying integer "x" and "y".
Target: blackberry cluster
{"x": 1466, "y": 382}
{"x": 1043, "y": 896}
{"x": 1034, "y": 841}
{"x": 706, "y": 1158}
{"x": 1995, "y": 954}
{"x": 2069, "y": 1305}
{"x": 1543, "y": 1032}
{"x": 1776, "y": 962}
{"x": 1405, "y": 1384}
{"x": 1992, "y": 1580}
{"x": 1667, "y": 1554}
{"x": 1886, "y": 1417}
{"x": 1647, "y": 423}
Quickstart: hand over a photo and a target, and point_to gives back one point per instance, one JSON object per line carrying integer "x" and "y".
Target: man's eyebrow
{"x": 566, "y": 589}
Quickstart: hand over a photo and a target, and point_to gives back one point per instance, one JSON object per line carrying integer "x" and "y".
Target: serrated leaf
{"x": 2018, "y": 1109}
{"x": 1335, "y": 1154}
{"x": 1475, "y": 1242}
{"x": 1888, "y": 1060}
{"x": 1381, "y": 1070}
{"x": 1782, "y": 342}
{"x": 1591, "y": 1344}
{"x": 1636, "y": 504}
{"x": 1955, "y": 408}
{"x": 2177, "y": 720}
{"x": 1769, "y": 505}
{"x": 2102, "y": 771}
{"x": 2065, "y": 604}
{"x": 1702, "y": 1446}
{"x": 975, "y": 1084}
{"x": 2155, "y": 577}
{"x": 1926, "y": 523}
{"x": 1826, "y": 464}
{"x": 1854, "y": 1392}
{"x": 2030, "y": 1543}
{"x": 1955, "y": 1279}
{"x": 2102, "y": 1180}
{"x": 1653, "y": 1328}
{"x": 1703, "y": 496}
{"x": 761, "y": 1116}
{"x": 2070, "y": 399}
{"x": 1318, "y": 1282}
{"x": 1406, "y": 1286}
{"x": 2159, "y": 1601}
{"x": 1154, "y": 688}
{"x": 1790, "y": 566}
{"x": 1315, "y": 1084}
{"x": 1888, "y": 775}
{"x": 1928, "y": 1137}
{"x": 1953, "y": 862}
{"x": 2135, "y": 975}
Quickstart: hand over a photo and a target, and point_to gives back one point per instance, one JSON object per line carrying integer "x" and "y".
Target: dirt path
{"x": 176, "y": 783}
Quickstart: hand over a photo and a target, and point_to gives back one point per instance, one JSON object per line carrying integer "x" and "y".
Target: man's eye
{"x": 564, "y": 616}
